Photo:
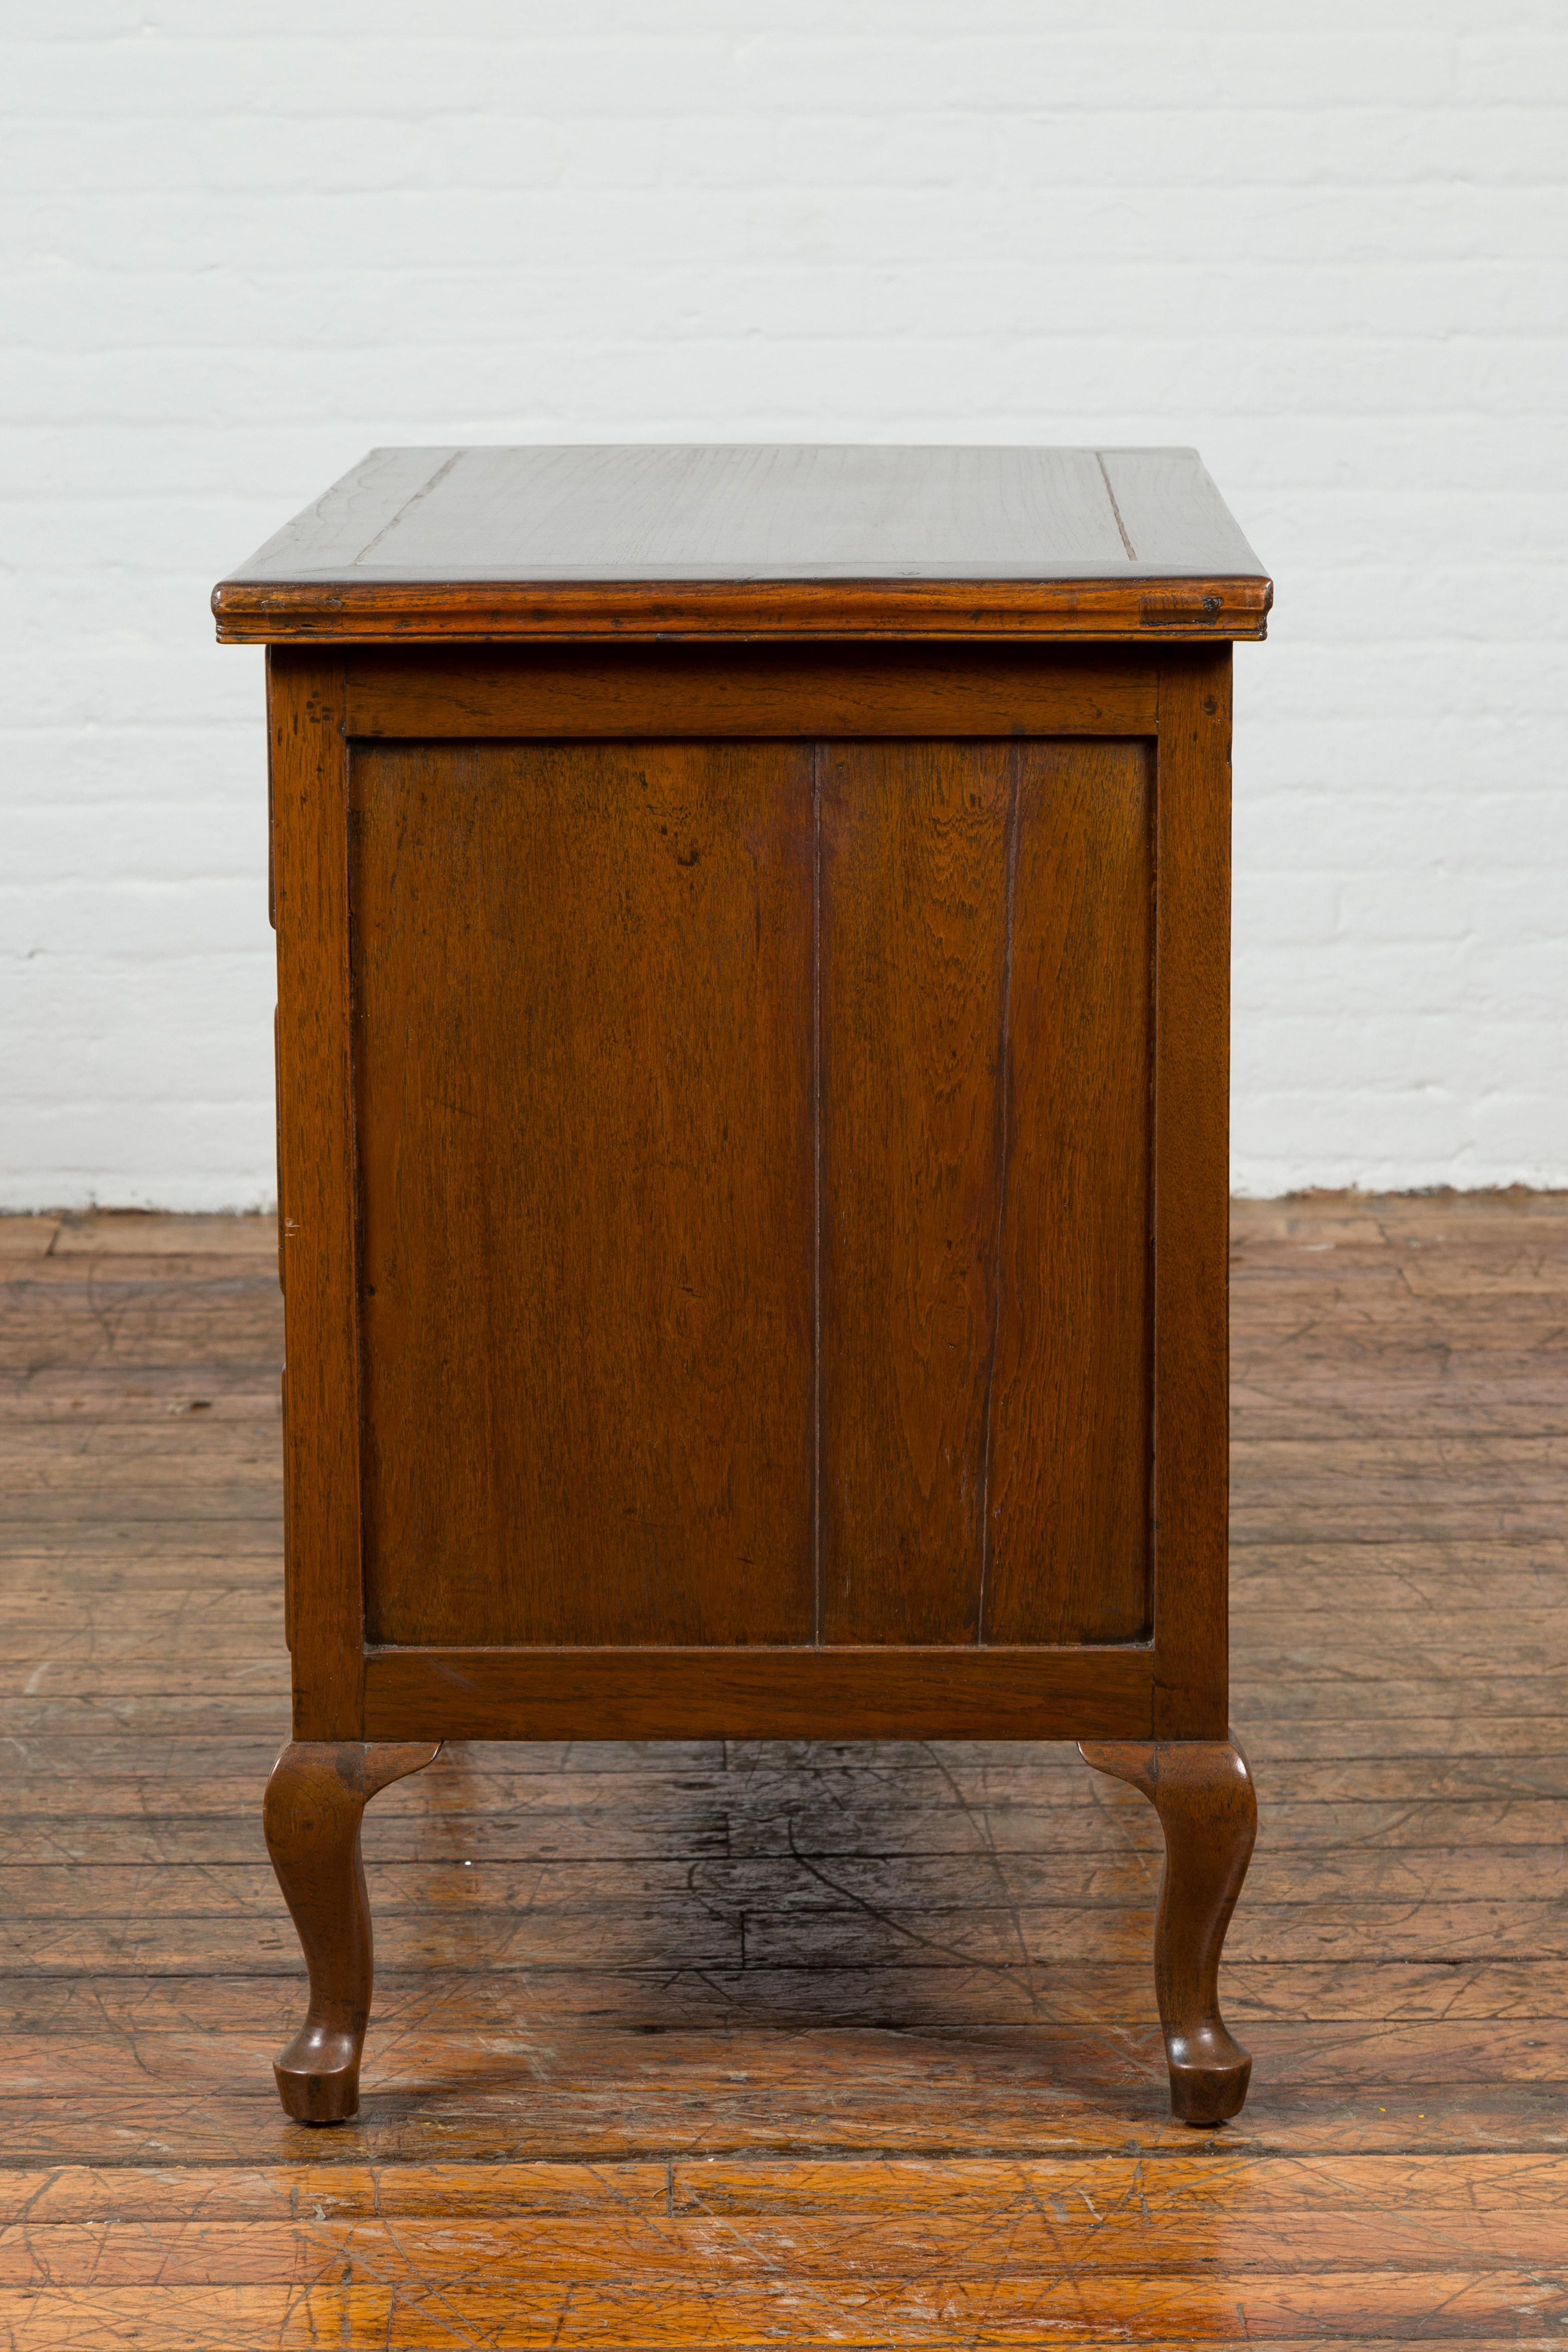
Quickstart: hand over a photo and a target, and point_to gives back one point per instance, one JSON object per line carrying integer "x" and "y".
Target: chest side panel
{"x": 582, "y": 1038}
{"x": 754, "y": 1172}
{"x": 987, "y": 992}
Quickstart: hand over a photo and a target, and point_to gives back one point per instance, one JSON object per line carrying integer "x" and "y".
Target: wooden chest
{"x": 753, "y": 967}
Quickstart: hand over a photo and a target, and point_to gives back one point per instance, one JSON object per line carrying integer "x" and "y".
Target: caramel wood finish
{"x": 818, "y": 1307}
{"x": 719, "y": 2041}
{"x": 987, "y": 1009}
{"x": 1068, "y": 1538}
{"x": 750, "y": 690}
{"x": 315, "y": 1800}
{"x": 884, "y": 1692}
{"x": 750, "y": 541}
{"x": 916, "y": 853}
{"x": 753, "y": 1116}
{"x": 1177, "y": 611}
{"x": 1203, "y": 1794}
{"x": 1192, "y": 1152}
{"x": 316, "y": 1243}
{"x": 583, "y": 1041}
{"x": 844, "y": 1374}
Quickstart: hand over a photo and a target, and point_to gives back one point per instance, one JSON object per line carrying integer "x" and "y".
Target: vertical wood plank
{"x": 818, "y": 1462}
{"x": 316, "y": 1184}
{"x": 1068, "y": 1485}
{"x": 582, "y": 983}
{"x": 913, "y": 896}
{"x": 1192, "y": 1155}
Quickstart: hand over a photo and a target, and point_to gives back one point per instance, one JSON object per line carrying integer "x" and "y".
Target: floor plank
{"x": 772, "y": 2043}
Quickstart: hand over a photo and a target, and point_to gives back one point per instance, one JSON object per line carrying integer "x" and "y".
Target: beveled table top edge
{"x": 1101, "y": 603}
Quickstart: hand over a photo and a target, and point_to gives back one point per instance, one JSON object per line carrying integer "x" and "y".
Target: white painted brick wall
{"x": 1325, "y": 245}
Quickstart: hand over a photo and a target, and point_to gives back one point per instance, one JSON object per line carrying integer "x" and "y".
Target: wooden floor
{"x": 787, "y": 2045}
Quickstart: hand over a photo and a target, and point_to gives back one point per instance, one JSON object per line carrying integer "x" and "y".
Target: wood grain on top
{"x": 725, "y": 539}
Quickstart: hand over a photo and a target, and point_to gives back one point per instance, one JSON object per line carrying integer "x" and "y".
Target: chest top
{"x": 733, "y": 540}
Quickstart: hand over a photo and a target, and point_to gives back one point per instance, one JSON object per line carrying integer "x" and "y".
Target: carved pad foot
{"x": 1202, "y": 1792}
{"x": 315, "y": 1802}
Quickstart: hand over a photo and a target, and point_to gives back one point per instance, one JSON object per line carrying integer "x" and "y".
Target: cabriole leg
{"x": 1202, "y": 1792}
{"x": 315, "y": 1800}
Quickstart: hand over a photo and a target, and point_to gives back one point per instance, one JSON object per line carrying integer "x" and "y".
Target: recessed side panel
{"x": 1069, "y": 1480}
{"x": 582, "y": 1040}
{"x": 986, "y": 1010}
{"x": 914, "y": 845}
